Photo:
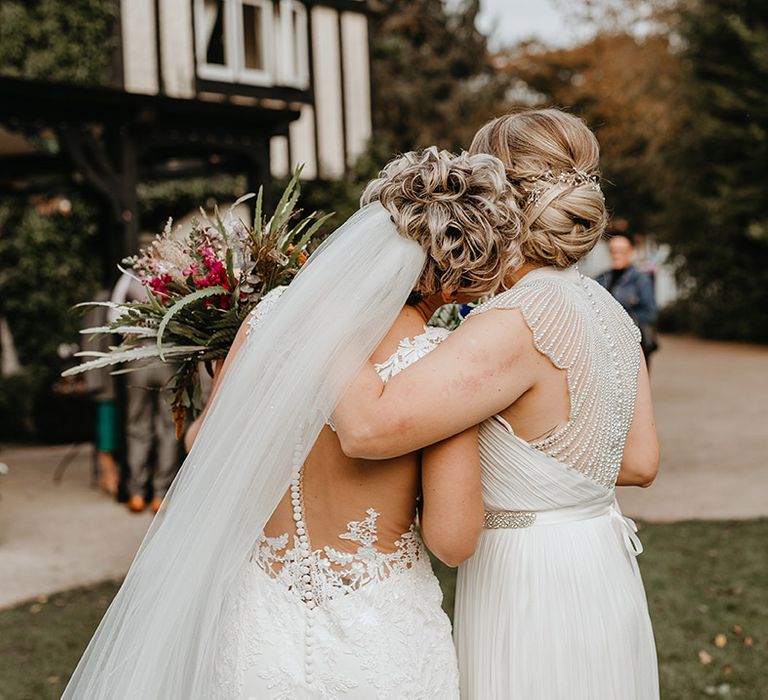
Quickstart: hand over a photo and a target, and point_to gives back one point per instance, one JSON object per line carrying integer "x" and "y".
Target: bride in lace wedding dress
{"x": 334, "y": 607}
{"x": 551, "y": 605}
{"x": 279, "y": 567}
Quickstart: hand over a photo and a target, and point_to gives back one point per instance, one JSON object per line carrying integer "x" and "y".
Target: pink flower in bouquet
{"x": 192, "y": 270}
{"x": 159, "y": 285}
{"x": 216, "y": 275}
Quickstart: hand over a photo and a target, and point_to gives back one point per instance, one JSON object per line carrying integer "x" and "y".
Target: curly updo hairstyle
{"x": 461, "y": 210}
{"x": 552, "y": 161}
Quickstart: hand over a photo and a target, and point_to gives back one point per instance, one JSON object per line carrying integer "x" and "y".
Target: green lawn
{"x": 707, "y": 585}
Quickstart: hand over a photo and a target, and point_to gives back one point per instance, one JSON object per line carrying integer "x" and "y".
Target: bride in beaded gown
{"x": 556, "y": 559}
{"x": 551, "y": 606}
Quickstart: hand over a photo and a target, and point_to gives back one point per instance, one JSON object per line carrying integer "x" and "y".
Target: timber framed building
{"x": 200, "y": 87}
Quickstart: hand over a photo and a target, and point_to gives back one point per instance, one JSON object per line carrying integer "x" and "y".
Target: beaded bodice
{"x": 582, "y": 329}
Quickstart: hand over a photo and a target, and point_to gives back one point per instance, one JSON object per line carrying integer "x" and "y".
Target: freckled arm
{"x": 471, "y": 376}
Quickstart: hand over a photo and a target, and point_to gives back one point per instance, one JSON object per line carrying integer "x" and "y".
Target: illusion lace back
{"x": 344, "y": 603}
{"x": 552, "y": 604}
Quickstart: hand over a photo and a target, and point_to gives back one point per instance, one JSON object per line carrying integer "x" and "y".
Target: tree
{"x": 718, "y": 169}
{"x": 434, "y": 82}
{"x": 52, "y": 40}
{"x": 48, "y": 261}
{"x": 628, "y": 90}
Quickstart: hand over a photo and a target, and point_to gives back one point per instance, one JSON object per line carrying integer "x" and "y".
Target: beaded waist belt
{"x": 624, "y": 527}
{"x": 512, "y": 519}
{"x": 502, "y": 519}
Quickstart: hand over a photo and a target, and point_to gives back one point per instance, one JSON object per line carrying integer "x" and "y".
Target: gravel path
{"x": 712, "y": 413}
{"x": 58, "y": 536}
{"x": 711, "y": 404}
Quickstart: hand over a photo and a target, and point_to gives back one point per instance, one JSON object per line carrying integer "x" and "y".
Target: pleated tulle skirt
{"x": 554, "y": 612}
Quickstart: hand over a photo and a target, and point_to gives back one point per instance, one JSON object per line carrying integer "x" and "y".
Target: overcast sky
{"x": 509, "y": 21}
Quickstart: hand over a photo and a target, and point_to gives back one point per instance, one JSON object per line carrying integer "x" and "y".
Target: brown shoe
{"x": 156, "y": 504}
{"x": 136, "y": 504}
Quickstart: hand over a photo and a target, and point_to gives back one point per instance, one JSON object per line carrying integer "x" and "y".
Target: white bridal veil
{"x": 158, "y": 638}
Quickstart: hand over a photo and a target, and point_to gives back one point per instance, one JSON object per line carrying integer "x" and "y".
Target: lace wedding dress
{"x": 351, "y": 622}
{"x": 552, "y": 606}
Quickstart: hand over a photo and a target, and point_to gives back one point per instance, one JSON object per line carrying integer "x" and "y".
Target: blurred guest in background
{"x": 632, "y": 288}
{"x": 149, "y": 422}
{"x": 101, "y": 386}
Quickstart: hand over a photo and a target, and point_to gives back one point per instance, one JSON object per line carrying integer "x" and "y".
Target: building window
{"x": 293, "y": 61}
{"x": 258, "y": 42}
{"x": 214, "y": 31}
{"x": 254, "y": 57}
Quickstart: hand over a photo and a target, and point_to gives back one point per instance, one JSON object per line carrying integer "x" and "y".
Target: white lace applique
{"x": 334, "y": 572}
{"x": 284, "y": 685}
{"x": 411, "y": 350}
{"x": 265, "y": 305}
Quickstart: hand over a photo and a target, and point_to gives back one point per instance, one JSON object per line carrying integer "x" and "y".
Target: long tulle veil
{"x": 158, "y": 638}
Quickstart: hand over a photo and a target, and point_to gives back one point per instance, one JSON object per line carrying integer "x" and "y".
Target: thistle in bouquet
{"x": 201, "y": 287}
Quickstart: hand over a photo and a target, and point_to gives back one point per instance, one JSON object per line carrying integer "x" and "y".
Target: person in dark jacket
{"x": 632, "y": 288}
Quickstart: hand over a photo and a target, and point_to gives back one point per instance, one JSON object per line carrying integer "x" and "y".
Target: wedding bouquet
{"x": 200, "y": 289}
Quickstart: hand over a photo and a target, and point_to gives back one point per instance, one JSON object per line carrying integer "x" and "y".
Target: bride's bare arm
{"x": 408, "y": 324}
{"x": 640, "y": 462}
{"x": 221, "y": 369}
{"x": 483, "y": 367}
{"x": 452, "y": 516}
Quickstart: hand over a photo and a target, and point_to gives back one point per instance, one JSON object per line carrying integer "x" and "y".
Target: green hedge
{"x": 53, "y": 40}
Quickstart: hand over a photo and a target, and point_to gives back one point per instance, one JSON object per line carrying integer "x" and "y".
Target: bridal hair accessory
{"x": 568, "y": 178}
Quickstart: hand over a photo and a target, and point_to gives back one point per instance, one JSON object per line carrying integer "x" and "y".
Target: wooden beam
{"x": 259, "y": 174}
{"x": 25, "y": 101}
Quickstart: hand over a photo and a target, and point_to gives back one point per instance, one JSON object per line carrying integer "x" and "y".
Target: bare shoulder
{"x": 409, "y": 323}
{"x": 497, "y": 330}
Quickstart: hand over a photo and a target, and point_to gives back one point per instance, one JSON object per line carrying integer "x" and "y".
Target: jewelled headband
{"x": 568, "y": 178}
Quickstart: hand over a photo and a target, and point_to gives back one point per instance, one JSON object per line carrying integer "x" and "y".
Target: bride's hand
{"x": 219, "y": 370}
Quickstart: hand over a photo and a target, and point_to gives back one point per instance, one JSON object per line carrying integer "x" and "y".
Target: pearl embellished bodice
{"x": 582, "y": 329}
{"x": 551, "y": 604}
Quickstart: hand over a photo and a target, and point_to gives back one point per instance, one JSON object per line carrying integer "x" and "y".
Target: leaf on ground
{"x": 748, "y": 641}
{"x": 727, "y": 669}
{"x": 720, "y": 640}
{"x": 705, "y": 658}
{"x": 737, "y": 629}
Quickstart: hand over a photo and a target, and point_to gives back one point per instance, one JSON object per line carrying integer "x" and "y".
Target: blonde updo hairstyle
{"x": 461, "y": 210}
{"x": 552, "y": 160}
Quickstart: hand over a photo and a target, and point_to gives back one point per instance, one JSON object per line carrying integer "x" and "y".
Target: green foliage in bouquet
{"x": 201, "y": 288}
